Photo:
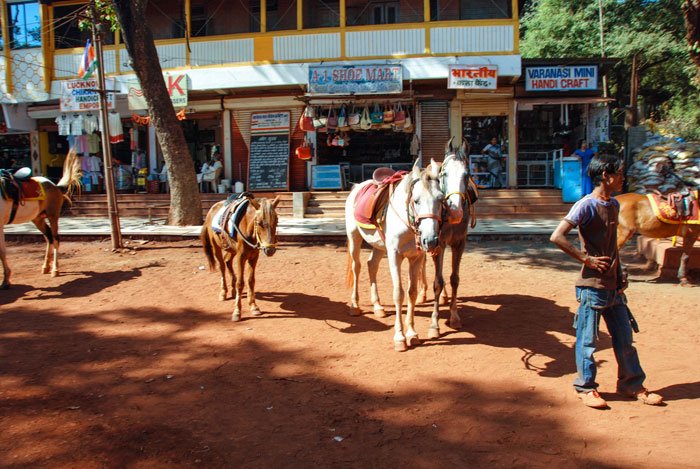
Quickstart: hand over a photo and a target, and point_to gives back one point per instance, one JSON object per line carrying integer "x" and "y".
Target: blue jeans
{"x": 595, "y": 303}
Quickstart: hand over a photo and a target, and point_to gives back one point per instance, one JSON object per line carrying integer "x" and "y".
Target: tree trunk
{"x": 185, "y": 204}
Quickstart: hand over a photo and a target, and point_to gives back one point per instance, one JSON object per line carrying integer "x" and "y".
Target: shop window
{"x": 382, "y": 12}
{"x": 283, "y": 17}
{"x": 321, "y": 14}
{"x": 216, "y": 18}
{"x": 198, "y": 20}
{"x": 67, "y": 33}
{"x": 24, "y": 24}
{"x": 450, "y": 10}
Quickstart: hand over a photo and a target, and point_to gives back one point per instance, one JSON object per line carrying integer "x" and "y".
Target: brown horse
{"x": 38, "y": 211}
{"x": 255, "y": 231}
{"x": 637, "y": 215}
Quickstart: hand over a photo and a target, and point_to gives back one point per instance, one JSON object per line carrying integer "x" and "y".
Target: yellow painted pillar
{"x": 188, "y": 25}
{"x": 300, "y": 15}
{"x": 6, "y": 47}
{"x": 47, "y": 46}
{"x": 263, "y": 16}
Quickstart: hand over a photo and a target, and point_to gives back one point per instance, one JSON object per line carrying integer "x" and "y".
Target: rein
{"x": 412, "y": 223}
{"x": 259, "y": 244}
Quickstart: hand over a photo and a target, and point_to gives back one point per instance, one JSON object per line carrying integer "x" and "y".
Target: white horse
{"x": 410, "y": 229}
{"x": 37, "y": 211}
{"x": 453, "y": 175}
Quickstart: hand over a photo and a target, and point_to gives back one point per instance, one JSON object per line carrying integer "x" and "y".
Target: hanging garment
{"x": 134, "y": 138}
{"x": 116, "y": 131}
{"x": 90, "y": 123}
{"x": 76, "y": 124}
{"x": 93, "y": 143}
{"x": 63, "y": 122}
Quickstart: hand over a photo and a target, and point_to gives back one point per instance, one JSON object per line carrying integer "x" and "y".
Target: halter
{"x": 412, "y": 222}
{"x": 259, "y": 244}
{"x": 442, "y": 177}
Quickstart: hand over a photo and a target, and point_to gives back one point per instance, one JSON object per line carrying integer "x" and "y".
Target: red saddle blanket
{"x": 31, "y": 190}
{"x": 372, "y": 199}
{"x": 668, "y": 213}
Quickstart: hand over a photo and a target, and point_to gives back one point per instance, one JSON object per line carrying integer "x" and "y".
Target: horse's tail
{"x": 207, "y": 246}
{"x": 70, "y": 181}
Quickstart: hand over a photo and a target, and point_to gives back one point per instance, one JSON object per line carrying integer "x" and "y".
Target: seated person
{"x": 211, "y": 172}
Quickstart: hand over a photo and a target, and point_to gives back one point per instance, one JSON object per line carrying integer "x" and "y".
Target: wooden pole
{"x": 106, "y": 148}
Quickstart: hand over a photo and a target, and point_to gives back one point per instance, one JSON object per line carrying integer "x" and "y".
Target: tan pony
{"x": 255, "y": 231}
{"x": 38, "y": 210}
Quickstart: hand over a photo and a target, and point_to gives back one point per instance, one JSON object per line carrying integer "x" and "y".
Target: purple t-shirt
{"x": 582, "y": 212}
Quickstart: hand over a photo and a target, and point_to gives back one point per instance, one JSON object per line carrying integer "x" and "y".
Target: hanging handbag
{"x": 342, "y": 120}
{"x": 304, "y": 151}
{"x": 408, "y": 124}
{"x": 399, "y": 116}
{"x": 332, "y": 122}
{"x": 306, "y": 122}
{"x": 366, "y": 120}
{"x": 354, "y": 118}
{"x": 377, "y": 117}
{"x": 388, "y": 114}
{"x": 320, "y": 121}
{"x": 336, "y": 141}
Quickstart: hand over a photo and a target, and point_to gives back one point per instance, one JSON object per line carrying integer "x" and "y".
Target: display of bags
{"x": 377, "y": 117}
{"x": 388, "y": 114}
{"x": 306, "y": 121}
{"x": 342, "y": 120}
{"x": 399, "y": 116}
{"x": 304, "y": 151}
{"x": 365, "y": 120}
{"x": 408, "y": 124}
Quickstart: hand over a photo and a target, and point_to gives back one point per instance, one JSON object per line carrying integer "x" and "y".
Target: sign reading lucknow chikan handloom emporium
{"x": 479, "y": 77}
{"x": 80, "y": 95}
{"x": 356, "y": 79}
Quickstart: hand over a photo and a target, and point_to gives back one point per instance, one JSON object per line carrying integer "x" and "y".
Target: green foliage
{"x": 105, "y": 15}
{"x": 682, "y": 118}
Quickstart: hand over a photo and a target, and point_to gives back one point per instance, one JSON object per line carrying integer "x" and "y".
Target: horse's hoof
{"x": 685, "y": 283}
{"x": 55, "y": 273}
{"x": 379, "y": 312}
{"x": 5, "y": 286}
{"x": 412, "y": 341}
{"x": 400, "y": 346}
{"x": 421, "y": 298}
{"x": 45, "y": 270}
{"x": 455, "y": 323}
{"x": 222, "y": 296}
{"x": 433, "y": 333}
{"x": 236, "y": 316}
{"x": 255, "y": 312}
{"x": 355, "y": 311}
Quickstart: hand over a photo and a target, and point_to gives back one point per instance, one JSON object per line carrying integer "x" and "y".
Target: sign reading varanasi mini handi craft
{"x": 481, "y": 77}
{"x": 356, "y": 79}
{"x": 561, "y": 78}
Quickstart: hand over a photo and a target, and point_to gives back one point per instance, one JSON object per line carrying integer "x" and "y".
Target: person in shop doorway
{"x": 495, "y": 163}
{"x": 210, "y": 172}
{"x": 600, "y": 286}
{"x": 585, "y": 154}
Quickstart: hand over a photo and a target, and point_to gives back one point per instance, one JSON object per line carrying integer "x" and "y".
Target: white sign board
{"x": 270, "y": 123}
{"x": 480, "y": 77}
{"x": 561, "y": 78}
{"x": 76, "y": 95}
{"x": 177, "y": 89}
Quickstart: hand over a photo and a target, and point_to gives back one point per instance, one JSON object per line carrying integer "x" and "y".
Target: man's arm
{"x": 559, "y": 238}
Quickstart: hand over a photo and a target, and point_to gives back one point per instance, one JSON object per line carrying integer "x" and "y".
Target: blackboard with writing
{"x": 268, "y": 167}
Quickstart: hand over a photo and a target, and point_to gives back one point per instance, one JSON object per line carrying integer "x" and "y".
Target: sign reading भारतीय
{"x": 480, "y": 77}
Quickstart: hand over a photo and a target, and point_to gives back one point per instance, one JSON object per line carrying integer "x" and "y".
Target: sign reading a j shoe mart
{"x": 177, "y": 89}
{"x": 561, "y": 78}
{"x": 479, "y": 77}
{"x": 356, "y": 79}
{"x": 80, "y": 95}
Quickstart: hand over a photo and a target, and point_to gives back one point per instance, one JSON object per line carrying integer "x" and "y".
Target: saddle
{"x": 371, "y": 201}
{"x": 19, "y": 187}
{"x": 677, "y": 207}
{"x": 233, "y": 210}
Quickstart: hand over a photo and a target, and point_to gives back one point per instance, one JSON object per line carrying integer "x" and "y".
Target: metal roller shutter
{"x": 484, "y": 107}
{"x": 434, "y": 129}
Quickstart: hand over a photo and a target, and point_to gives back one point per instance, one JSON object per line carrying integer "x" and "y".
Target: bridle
{"x": 467, "y": 203}
{"x": 259, "y": 243}
{"x": 413, "y": 221}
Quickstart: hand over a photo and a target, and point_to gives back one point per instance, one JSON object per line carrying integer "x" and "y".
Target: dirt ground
{"x": 129, "y": 360}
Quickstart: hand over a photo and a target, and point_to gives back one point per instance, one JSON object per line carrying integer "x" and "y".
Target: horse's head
{"x": 425, "y": 208}
{"x": 453, "y": 176}
{"x": 265, "y": 224}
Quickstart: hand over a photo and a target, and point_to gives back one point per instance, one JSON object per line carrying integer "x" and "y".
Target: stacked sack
{"x": 644, "y": 175}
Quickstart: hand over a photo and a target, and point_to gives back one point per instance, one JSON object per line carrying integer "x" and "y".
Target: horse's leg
{"x": 252, "y": 262}
{"x": 41, "y": 225}
{"x": 395, "y": 260}
{"x": 53, "y": 223}
{"x": 414, "y": 266}
{"x": 3, "y": 256}
{"x": 688, "y": 240}
{"x": 229, "y": 267}
{"x": 221, "y": 262}
{"x": 422, "y": 284}
{"x": 354, "y": 246}
{"x": 372, "y": 267}
{"x": 438, "y": 285}
{"x": 239, "y": 267}
{"x": 457, "y": 251}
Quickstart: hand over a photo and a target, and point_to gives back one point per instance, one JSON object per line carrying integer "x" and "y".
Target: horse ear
{"x": 434, "y": 167}
{"x": 416, "y": 168}
{"x": 448, "y": 145}
{"x": 276, "y": 201}
{"x": 465, "y": 147}
{"x": 254, "y": 203}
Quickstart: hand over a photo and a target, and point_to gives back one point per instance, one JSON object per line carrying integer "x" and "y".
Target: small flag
{"x": 89, "y": 62}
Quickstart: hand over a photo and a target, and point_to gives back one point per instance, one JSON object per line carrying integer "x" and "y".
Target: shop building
{"x": 234, "y": 62}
